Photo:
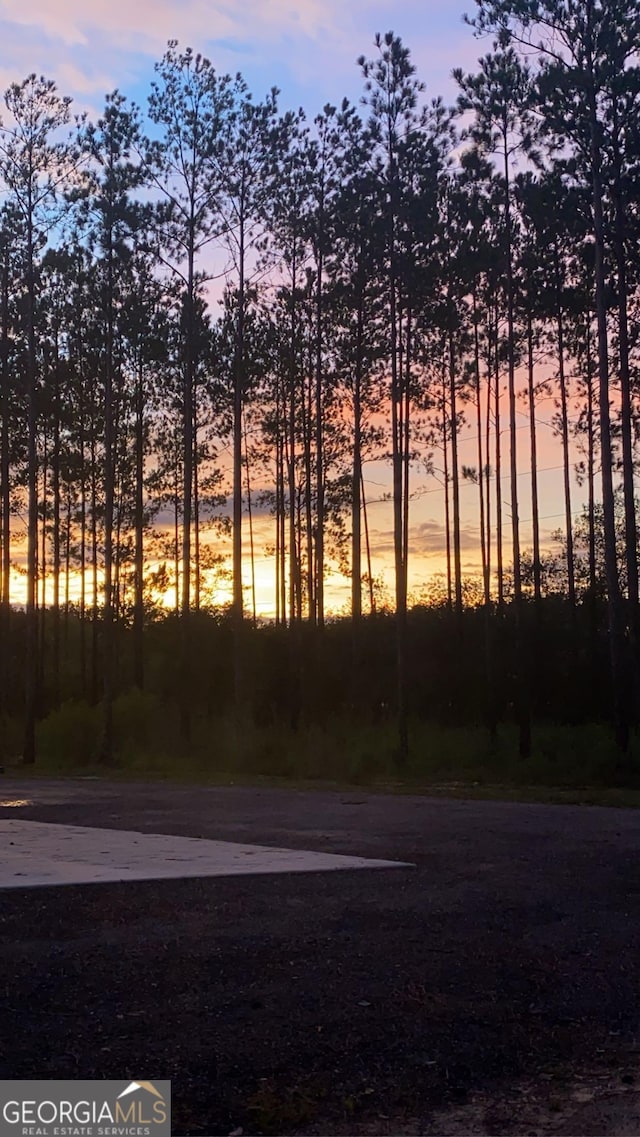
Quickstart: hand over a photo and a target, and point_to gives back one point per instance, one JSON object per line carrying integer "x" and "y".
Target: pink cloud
{"x": 311, "y": 38}
{"x": 148, "y": 24}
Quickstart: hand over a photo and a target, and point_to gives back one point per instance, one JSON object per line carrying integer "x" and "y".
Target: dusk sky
{"x": 307, "y": 48}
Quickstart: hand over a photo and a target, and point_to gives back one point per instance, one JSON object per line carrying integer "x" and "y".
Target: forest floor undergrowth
{"x": 569, "y": 764}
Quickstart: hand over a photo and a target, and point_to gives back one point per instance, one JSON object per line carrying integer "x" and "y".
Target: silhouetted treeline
{"x": 337, "y": 679}
{"x": 390, "y": 276}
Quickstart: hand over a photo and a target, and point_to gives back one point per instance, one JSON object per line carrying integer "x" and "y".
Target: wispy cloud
{"x": 305, "y": 45}
{"x": 427, "y": 540}
{"x": 146, "y": 25}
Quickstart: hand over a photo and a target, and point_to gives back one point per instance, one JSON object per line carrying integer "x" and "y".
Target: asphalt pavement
{"x": 321, "y": 1001}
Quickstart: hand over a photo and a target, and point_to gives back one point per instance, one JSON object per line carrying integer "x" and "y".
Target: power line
{"x": 464, "y": 484}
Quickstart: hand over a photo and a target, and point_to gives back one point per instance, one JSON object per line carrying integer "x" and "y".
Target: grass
{"x": 569, "y": 764}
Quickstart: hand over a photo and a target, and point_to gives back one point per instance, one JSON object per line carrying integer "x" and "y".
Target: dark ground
{"x": 319, "y": 1002}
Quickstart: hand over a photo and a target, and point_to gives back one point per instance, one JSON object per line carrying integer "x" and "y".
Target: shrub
{"x": 69, "y": 737}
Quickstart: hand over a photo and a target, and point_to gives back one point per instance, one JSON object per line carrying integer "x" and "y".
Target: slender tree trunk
{"x": 138, "y": 605}
{"x": 319, "y": 424}
{"x": 291, "y": 440}
{"x": 295, "y": 589}
{"x": 42, "y": 566}
{"x": 591, "y": 467}
{"x": 520, "y": 663}
{"x": 356, "y": 513}
{"x": 533, "y": 437}
{"x": 67, "y": 564}
{"x": 487, "y": 450}
{"x": 455, "y": 476}
{"x": 94, "y": 562}
{"x": 197, "y": 571}
{"x": 398, "y": 483}
{"x": 620, "y": 673}
{"x": 5, "y": 598}
{"x": 83, "y": 512}
{"x": 176, "y": 530}
{"x": 511, "y": 348}
{"x": 498, "y": 440}
{"x": 83, "y": 563}
{"x": 564, "y": 418}
{"x": 447, "y": 507}
{"x": 356, "y": 474}
{"x": 280, "y": 490}
{"x": 251, "y": 540}
{"x": 485, "y": 530}
{"x": 106, "y": 745}
{"x": 406, "y": 451}
{"x": 277, "y": 518}
{"x": 626, "y": 399}
{"x": 31, "y": 653}
{"x": 299, "y": 552}
{"x": 55, "y": 469}
{"x": 483, "y": 535}
{"x": 187, "y": 486}
{"x": 238, "y": 402}
{"x": 307, "y": 426}
{"x": 365, "y": 518}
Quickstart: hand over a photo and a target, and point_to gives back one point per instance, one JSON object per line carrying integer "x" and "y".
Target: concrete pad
{"x": 35, "y": 853}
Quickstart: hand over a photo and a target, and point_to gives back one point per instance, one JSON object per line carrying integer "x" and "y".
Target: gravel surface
{"x": 328, "y": 1002}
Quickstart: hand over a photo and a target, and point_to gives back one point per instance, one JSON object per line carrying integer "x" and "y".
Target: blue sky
{"x": 308, "y": 48}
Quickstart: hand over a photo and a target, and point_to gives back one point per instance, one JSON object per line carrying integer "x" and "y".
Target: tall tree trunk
{"x": 478, "y": 391}
{"x": 511, "y": 349}
{"x": 197, "y": 572}
{"x": 356, "y": 473}
{"x": 187, "y": 487}
{"x": 319, "y": 424}
{"x": 83, "y": 509}
{"x": 42, "y": 566}
{"x": 138, "y": 604}
{"x": 520, "y": 655}
{"x": 55, "y": 469}
{"x": 238, "y": 402}
{"x": 626, "y": 398}
{"x": 487, "y": 451}
{"x": 455, "y": 475}
{"x": 278, "y": 554}
{"x": 280, "y": 489}
{"x": 620, "y": 676}
{"x": 591, "y": 466}
{"x": 31, "y": 653}
{"x": 5, "y": 597}
{"x": 83, "y": 560}
{"x": 295, "y": 590}
{"x": 485, "y": 529}
{"x": 398, "y": 484}
{"x": 406, "y": 449}
{"x": 498, "y": 442}
{"x": 294, "y": 587}
{"x": 94, "y": 561}
{"x": 533, "y": 438}
{"x": 307, "y": 427}
{"x": 106, "y": 744}
{"x": 67, "y": 566}
{"x": 447, "y": 507}
{"x": 365, "y": 519}
{"x": 564, "y": 418}
{"x": 254, "y": 607}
